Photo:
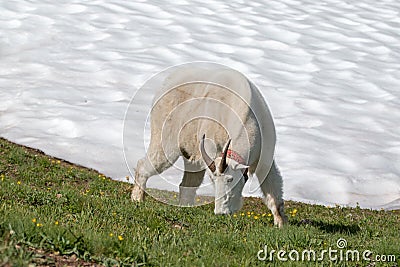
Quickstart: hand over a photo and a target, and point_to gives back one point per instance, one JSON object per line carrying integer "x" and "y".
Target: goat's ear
{"x": 240, "y": 166}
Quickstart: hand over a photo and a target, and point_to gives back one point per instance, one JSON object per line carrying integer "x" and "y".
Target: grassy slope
{"x": 52, "y": 212}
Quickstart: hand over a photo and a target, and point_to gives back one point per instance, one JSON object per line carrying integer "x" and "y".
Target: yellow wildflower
{"x": 293, "y": 212}
{"x": 120, "y": 238}
{"x": 56, "y": 223}
{"x": 111, "y": 234}
{"x": 256, "y": 217}
{"x": 19, "y": 182}
{"x": 34, "y": 220}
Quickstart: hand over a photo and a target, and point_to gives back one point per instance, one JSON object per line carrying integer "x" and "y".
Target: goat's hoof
{"x": 137, "y": 194}
{"x": 280, "y": 222}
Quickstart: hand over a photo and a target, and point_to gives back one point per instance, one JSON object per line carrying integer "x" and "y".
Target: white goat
{"x": 223, "y": 106}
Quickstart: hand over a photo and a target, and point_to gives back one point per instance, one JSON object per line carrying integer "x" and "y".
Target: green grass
{"x": 55, "y": 213}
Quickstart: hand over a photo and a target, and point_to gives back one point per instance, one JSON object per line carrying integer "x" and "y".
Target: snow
{"x": 330, "y": 71}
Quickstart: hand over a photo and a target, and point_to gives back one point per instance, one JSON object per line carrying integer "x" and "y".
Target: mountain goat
{"x": 218, "y": 121}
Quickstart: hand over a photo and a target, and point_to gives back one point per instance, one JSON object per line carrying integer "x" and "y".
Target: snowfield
{"x": 329, "y": 70}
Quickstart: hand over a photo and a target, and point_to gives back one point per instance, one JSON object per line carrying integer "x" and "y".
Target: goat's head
{"x": 229, "y": 177}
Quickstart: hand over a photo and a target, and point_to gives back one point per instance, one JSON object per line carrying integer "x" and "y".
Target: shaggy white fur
{"x": 221, "y": 104}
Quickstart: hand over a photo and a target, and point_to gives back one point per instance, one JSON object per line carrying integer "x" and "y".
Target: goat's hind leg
{"x": 152, "y": 164}
{"x": 272, "y": 189}
{"x": 142, "y": 173}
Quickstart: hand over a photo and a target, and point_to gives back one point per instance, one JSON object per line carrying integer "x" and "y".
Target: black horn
{"x": 210, "y": 163}
{"x": 223, "y": 165}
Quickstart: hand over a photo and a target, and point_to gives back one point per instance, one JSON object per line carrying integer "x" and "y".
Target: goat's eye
{"x": 229, "y": 180}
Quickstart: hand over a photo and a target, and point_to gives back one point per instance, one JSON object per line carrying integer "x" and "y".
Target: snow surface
{"x": 329, "y": 69}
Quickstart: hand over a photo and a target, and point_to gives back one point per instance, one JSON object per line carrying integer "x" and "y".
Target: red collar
{"x": 236, "y": 157}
